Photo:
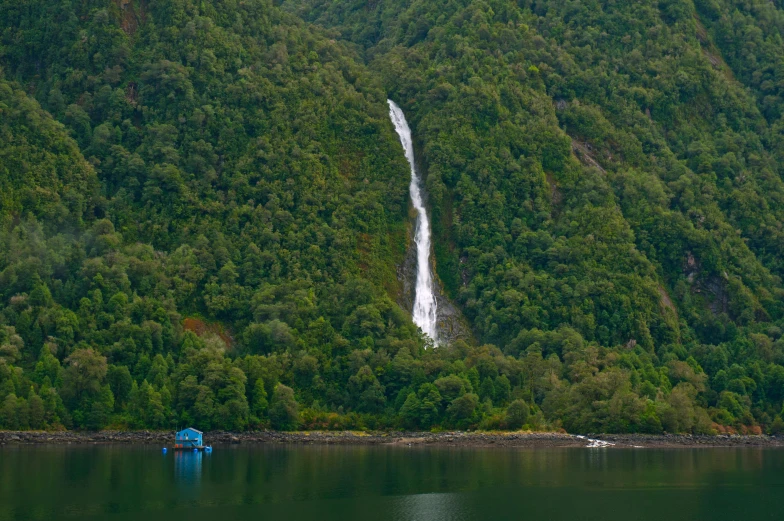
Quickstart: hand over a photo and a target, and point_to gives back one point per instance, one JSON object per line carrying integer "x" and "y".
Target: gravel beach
{"x": 466, "y": 439}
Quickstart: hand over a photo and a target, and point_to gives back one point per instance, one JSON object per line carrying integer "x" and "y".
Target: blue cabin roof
{"x": 189, "y": 430}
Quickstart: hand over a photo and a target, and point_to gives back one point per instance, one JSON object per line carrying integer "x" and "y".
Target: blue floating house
{"x": 188, "y": 438}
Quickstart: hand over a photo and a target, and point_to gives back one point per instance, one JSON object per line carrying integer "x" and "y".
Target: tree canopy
{"x": 204, "y": 208}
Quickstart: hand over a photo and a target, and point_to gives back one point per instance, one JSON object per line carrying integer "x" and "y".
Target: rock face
{"x": 406, "y": 272}
{"x": 452, "y": 324}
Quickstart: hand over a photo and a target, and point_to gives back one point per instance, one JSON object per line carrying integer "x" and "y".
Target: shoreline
{"x": 533, "y": 440}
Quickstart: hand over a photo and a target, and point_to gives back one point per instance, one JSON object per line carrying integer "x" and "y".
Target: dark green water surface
{"x": 390, "y": 483}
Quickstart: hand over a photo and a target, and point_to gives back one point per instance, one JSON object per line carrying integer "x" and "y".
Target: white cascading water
{"x": 425, "y": 308}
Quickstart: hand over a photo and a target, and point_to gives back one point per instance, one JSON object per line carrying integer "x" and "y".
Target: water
{"x": 425, "y": 308}
{"x": 389, "y": 483}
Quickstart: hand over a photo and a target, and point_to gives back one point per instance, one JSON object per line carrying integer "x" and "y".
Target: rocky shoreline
{"x": 457, "y": 439}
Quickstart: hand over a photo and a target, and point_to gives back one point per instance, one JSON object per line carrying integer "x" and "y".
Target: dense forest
{"x": 204, "y": 209}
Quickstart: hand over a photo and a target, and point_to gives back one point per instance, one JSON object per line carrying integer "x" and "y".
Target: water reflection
{"x": 389, "y": 484}
{"x": 187, "y": 468}
{"x": 430, "y": 507}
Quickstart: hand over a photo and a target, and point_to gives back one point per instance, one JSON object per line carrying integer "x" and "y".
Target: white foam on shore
{"x": 595, "y": 444}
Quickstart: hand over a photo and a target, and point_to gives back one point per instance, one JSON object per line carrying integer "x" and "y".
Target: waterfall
{"x": 425, "y": 309}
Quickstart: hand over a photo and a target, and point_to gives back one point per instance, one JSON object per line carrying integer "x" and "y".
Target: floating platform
{"x": 198, "y": 448}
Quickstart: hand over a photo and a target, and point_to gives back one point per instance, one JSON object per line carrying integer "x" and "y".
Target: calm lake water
{"x": 390, "y": 483}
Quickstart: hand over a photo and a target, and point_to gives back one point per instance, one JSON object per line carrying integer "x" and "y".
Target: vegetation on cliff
{"x": 203, "y": 206}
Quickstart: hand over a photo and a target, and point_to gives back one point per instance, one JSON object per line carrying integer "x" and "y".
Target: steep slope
{"x": 42, "y": 171}
{"x": 604, "y": 179}
{"x": 249, "y": 176}
{"x": 596, "y": 166}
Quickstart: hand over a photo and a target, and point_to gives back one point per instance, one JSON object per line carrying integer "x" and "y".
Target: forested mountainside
{"x": 204, "y": 207}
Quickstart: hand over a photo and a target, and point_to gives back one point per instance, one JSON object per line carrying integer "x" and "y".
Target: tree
{"x": 100, "y": 409}
{"x": 283, "y": 411}
{"x": 409, "y": 412}
{"x": 120, "y": 382}
{"x": 462, "y": 410}
{"x": 517, "y": 414}
{"x": 680, "y": 416}
{"x": 84, "y": 374}
{"x": 777, "y": 427}
{"x": 11, "y": 345}
{"x": 8, "y": 412}
{"x": 487, "y": 389}
{"x": 259, "y": 404}
{"x": 366, "y": 393}
{"x": 55, "y": 412}
{"x": 37, "y": 411}
{"x": 451, "y": 387}
{"x": 196, "y": 402}
{"x": 501, "y": 390}
{"x": 48, "y": 366}
{"x": 146, "y": 406}
{"x": 210, "y": 389}
{"x": 429, "y": 405}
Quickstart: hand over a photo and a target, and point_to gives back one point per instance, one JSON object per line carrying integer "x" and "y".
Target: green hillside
{"x": 212, "y": 231}
{"x": 43, "y": 175}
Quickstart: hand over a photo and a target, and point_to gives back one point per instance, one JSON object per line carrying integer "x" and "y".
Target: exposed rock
{"x": 666, "y": 301}
{"x": 406, "y": 272}
{"x": 457, "y": 438}
{"x": 584, "y": 153}
{"x": 711, "y": 286}
{"x": 451, "y": 323}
